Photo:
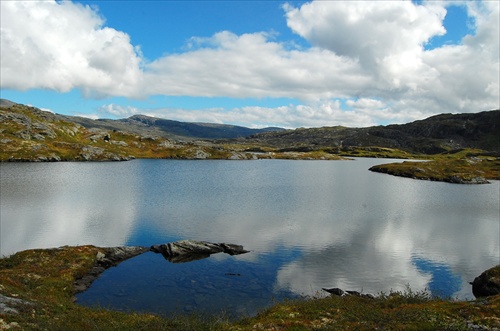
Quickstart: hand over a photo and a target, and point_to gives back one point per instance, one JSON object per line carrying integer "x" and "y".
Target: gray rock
{"x": 43, "y": 129}
{"x": 90, "y": 152}
{"x": 8, "y": 304}
{"x": 190, "y": 250}
{"x": 200, "y": 154}
{"x": 106, "y": 258}
{"x": 23, "y": 134}
{"x": 334, "y": 291}
{"x": 37, "y": 136}
{"x": 119, "y": 143}
{"x": 338, "y": 292}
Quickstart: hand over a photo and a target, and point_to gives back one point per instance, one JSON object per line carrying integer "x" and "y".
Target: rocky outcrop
{"x": 106, "y": 258}
{"x": 190, "y": 250}
{"x": 9, "y": 305}
{"x": 433, "y": 135}
{"x": 488, "y": 283}
{"x": 339, "y": 292}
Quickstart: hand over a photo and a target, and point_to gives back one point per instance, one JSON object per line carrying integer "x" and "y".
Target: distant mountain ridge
{"x": 147, "y": 125}
{"x": 198, "y": 130}
{"x": 436, "y": 134}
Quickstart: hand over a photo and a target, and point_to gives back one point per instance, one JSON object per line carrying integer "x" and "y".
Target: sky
{"x": 253, "y": 63}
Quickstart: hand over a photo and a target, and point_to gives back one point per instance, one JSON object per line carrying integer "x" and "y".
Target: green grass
{"x": 45, "y": 278}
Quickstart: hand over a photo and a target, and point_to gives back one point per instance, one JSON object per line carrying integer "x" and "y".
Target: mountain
{"x": 436, "y": 134}
{"x": 152, "y": 126}
{"x": 30, "y": 134}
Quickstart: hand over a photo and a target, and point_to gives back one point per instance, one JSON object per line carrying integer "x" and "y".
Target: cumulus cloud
{"x": 388, "y": 40}
{"x": 64, "y": 45}
{"x": 288, "y": 116}
{"x": 251, "y": 65}
{"x": 367, "y": 63}
{"x": 366, "y": 30}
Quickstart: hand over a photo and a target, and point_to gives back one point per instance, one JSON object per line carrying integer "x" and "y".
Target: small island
{"x": 460, "y": 167}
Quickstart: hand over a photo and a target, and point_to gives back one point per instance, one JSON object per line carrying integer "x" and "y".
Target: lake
{"x": 308, "y": 225}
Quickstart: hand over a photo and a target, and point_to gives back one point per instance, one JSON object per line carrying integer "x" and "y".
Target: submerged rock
{"x": 488, "y": 283}
{"x": 190, "y": 250}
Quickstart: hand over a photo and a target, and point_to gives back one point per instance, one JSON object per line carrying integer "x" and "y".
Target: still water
{"x": 308, "y": 225}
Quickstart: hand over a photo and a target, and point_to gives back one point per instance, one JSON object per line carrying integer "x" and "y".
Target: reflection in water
{"x": 50, "y": 205}
{"x": 309, "y": 224}
{"x": 443, "y": 282}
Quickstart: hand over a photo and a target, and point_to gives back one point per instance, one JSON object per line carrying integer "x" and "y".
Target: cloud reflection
{"x": 348, "y": 227}
{"x": 56, "y": 204}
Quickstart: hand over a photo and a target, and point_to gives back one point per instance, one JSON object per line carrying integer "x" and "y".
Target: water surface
{"x": 308, "y": 224}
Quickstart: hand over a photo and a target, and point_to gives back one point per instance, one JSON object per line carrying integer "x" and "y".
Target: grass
{"x": 45, "y": 279}
{"x": 463, "y": 166}
{"x": 28, "y": 134}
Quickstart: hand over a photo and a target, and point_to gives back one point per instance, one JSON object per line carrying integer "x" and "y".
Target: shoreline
{"x": 37, "y": 289}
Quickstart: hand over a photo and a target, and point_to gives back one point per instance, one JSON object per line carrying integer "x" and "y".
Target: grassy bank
{"x": 40, "y": 284}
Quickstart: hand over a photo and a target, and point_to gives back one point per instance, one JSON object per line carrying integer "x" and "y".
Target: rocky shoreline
{"x": 484, "y": 285}
{"x": 37, "y": 289}
{"x": 107, "y": 257}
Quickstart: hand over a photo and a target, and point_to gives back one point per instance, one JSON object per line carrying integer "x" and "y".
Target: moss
{"x": 464, "y": 166}
{"x": 45, "y": 278}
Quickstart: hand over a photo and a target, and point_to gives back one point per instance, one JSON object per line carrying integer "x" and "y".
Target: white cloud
{"x": 388, "y": 38}
{"x": 62, "y": 46}
{"x": 366, "y": 30}
{"x": 117, "y": 110}
{"x": 252, "y": 66}
{"x": 361, "y": 51}
{"x": 290, "y": 116}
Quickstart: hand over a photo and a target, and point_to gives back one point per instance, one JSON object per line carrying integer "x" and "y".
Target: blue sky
{"x": 253, "y": 63}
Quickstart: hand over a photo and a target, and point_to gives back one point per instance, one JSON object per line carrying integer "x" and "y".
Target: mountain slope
{"x": 28, "y": 134}
{"x": 433, "y": 135}
{"x": 152, "y": 126}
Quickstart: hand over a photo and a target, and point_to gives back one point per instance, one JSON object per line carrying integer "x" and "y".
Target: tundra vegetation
{"x": 39, "y": 287}
{"x": 463, "y": 148}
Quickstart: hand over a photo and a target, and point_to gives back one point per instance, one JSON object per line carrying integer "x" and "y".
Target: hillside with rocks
{"x": 30, "y": 134}
{"x": 158, "y": 127}
{"x": 437, "y": 134}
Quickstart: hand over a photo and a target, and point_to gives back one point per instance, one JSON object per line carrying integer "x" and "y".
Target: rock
{"x": 119, "y": 143}
{"x": 488, "y": 283}
{"x": 90, "y": 153}
{"x": 474, "y": 180}
{"x": 43, "y": 129}
{"x": 334, "y": 291}
{"x": 201, "y": 155}
{"x": 232, "y": 249}
{"x": 107, "y": 257}
{"x": 8, "y": 305}
{"x": 340, "y": 293}
{"x": 190, "y": 250}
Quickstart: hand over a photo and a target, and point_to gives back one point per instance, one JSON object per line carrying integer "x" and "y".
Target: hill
{"x": 30, "y": 134}
{"x": 152, "y": 126}
{"x": 437, "y": 134}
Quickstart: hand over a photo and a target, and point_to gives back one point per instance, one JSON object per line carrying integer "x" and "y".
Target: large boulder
{"x": 189, "y": 250}
{"x": 488, "y": 283}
